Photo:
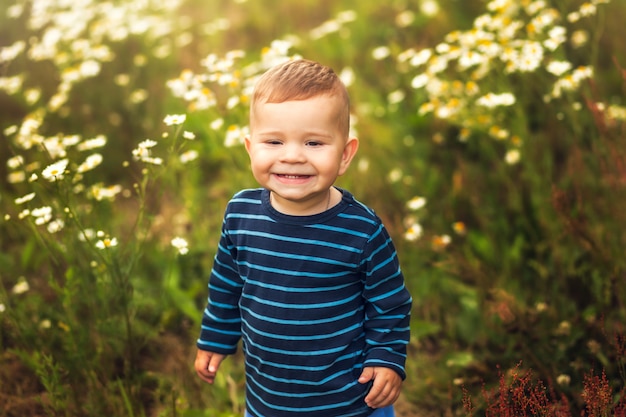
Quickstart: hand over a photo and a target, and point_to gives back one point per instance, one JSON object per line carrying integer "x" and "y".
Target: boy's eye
{"x": 314, "y": 143}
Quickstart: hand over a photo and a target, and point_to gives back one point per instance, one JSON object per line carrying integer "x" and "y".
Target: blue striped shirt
{"x": 314, "y": 300}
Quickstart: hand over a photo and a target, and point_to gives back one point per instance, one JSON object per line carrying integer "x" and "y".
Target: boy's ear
{"x": 246, "y": 142}
{"x": 352, "y": 145}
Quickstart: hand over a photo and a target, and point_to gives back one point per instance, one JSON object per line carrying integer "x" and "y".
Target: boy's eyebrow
{"x": 315, "y": 132}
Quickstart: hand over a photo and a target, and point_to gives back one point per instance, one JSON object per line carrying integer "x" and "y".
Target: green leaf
{"x": 421, "y": 328}
{"x": 460, "y": 359}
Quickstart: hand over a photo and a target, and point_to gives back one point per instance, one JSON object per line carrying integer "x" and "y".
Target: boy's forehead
{"x": 315, "y": 111}
{"x": 332, "y": 100}
{"x": 279, "y": 94}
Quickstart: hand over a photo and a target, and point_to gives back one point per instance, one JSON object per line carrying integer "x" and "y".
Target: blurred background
{"x": 492, "y": 146}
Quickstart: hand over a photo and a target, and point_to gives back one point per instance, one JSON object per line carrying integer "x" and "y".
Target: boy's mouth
{"x": 292, "y": 176}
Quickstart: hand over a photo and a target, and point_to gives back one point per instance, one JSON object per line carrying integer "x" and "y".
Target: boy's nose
{"x": 292, "y": 153}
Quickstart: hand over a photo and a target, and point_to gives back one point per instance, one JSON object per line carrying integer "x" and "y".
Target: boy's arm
{"x": 221, "y": 322}
{"x": 387, "y": 306}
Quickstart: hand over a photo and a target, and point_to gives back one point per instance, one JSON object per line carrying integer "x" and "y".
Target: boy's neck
{"x": 302, "y": 209}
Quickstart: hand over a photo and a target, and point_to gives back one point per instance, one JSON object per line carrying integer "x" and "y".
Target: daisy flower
{"x": 55, "y": 171}
{"x": 180, "y": 244}
{"x": 175, "y": 119}
{"x": 106, "y": 243}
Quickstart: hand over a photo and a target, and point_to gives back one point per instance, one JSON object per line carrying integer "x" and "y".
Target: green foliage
{"x": 491, "y": 145}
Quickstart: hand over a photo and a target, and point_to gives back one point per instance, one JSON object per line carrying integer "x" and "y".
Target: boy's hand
{"x": 207, "y": 364}
{"x": 385, "y": 389}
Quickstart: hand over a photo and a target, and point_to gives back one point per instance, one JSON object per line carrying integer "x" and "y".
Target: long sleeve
{"x": 388, "y": 305}
{"x": 314, "y": 299}
{"x": 221, "y": 321}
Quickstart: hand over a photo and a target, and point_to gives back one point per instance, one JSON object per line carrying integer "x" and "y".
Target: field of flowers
{"x": 492, "y": 145}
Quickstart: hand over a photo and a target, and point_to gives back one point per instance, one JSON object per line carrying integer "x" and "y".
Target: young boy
{"x": 304, "y": 274}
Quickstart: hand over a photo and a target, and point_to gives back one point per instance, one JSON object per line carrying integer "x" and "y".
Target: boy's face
{"x": 297, "y": 151}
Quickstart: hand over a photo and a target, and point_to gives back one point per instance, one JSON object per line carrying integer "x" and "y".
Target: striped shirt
{"x": 314, "y": 300}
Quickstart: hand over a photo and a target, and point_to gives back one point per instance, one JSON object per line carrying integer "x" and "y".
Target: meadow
{"x": 492, "y": 146}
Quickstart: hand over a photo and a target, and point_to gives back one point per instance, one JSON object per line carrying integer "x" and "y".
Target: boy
{"x": 304, "y": 274}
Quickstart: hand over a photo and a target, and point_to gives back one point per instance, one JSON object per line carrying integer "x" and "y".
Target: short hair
{"x": 301, "y": 79}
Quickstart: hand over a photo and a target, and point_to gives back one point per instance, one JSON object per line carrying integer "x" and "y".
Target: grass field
{"x": 492, "y": 146}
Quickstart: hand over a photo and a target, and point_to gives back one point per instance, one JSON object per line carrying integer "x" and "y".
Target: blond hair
{"x": 301, "y": 79}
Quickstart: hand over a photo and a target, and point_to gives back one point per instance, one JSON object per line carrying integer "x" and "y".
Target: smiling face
{"x": 297, "y": 150}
